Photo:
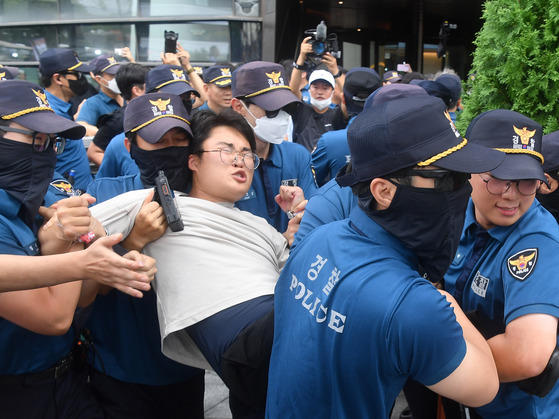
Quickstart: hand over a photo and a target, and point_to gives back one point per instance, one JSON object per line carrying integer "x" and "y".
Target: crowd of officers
{"x": 394, "y": 253}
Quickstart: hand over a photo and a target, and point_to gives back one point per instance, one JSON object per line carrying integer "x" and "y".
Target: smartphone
{"x": 403, "y": 68}
{"x": 119, "y": 51}
{"x": 171, "y": 41}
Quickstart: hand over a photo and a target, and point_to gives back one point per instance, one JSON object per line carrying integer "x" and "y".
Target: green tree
{"x": 516, "y": 62}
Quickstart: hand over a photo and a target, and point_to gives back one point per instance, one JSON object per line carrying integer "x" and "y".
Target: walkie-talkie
{"x": 166, "y": 198}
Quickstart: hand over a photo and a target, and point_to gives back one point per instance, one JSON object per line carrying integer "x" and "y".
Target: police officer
{"x": 61, "y": 75}
{"x": 504, "y": 271}
{"x": 262, "y": 96}
{"x": 142, "y": 382}
{"x": 36, "y": 374}
{"x": 354, "y": 319}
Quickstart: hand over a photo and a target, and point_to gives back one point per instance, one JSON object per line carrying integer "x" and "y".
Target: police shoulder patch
{"x": 521, "y": 264}
{"x": 62, "y": 185}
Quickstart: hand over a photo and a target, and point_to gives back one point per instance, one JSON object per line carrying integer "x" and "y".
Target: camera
{"x": 321, "y": 43}
{"x": 171, "y": 41}
{"x": 444, "y": 33}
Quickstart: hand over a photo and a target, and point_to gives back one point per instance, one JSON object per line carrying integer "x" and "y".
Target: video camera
{"x": 322, "y": 42}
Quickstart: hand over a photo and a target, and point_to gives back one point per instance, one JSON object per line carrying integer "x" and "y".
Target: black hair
{"x": 205, "y": 121}
{"x": 128, "y": 76}
{"x": 45, "y": 80}
{"x": 131, "y": 136}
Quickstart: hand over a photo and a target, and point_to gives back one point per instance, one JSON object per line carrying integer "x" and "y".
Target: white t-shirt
{"x": 223, "y": 257}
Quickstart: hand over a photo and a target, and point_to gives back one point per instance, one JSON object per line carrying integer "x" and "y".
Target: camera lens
{"x": 318, "y": 47}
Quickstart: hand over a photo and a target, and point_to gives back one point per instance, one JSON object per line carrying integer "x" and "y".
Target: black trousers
{"x": 121, "y": 400}
{"x": 65, "y": 397}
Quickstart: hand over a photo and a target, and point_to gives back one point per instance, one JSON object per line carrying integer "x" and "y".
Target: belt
{"x": 61, "y": 368}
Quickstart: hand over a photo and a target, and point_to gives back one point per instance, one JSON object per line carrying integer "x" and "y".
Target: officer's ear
{"x": 383, "y": 191}
{"x": 127, "y": 143}
{"x": 553, "y": 184}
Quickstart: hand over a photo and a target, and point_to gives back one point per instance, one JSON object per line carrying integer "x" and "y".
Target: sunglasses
{"x": 41, "y": 140}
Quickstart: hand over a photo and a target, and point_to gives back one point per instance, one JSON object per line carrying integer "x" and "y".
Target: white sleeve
{"x": 117, "y": 215}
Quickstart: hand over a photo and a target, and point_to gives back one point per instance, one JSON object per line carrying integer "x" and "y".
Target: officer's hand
{"x": 73, "y": 217}
{"x": 149, "y": 225}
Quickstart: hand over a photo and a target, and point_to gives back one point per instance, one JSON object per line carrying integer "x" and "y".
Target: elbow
{"x": 60, "y": 326}
{"x": 532, "y": 364}
{"x": 490, "y": 389}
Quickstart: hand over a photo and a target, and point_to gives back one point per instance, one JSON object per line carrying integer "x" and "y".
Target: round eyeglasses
{"x": 230, "y": 156}
{"x": 41, "y": 141}
{"x": 497, "y": 186}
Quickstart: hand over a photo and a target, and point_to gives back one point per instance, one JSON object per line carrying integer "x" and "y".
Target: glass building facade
{"x": 210, "y": 30}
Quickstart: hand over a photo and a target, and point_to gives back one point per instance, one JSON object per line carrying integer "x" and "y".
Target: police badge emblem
{"x": 521, "y": 264}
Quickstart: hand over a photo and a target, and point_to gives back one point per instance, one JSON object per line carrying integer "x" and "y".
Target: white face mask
{"x": 271, "y": 130}
{"x": 321, "y": 104}
{"x": 112, "y": 86}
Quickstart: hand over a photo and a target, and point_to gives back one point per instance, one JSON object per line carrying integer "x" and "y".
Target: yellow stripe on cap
{"x": 223, "y": 82}
{"x": 269, "y": 89}
{"x": 220, "y": 77}
{"x": 169, "y": 82}
{"x": 521, "y": 151}
{"x": 156, "y": 118}
{"x": 109, "y": 66}
{"x": 26, "y": 111}
{"x": 443, "y": 154}
{"x": 74, "y": 66}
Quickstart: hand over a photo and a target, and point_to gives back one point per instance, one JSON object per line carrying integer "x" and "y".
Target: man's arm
{"x": 523, "y": 351}
{"x": 295, "y": 81}
{"x": 98, "y": 263}
{"x": 95, "y": 154}
{"x": 475, "y": 382}
{"x": 90, "y": 130}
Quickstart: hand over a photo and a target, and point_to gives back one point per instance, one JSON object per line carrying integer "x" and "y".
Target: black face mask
{"x": 188, "y": 105}
{"x": 427, "y": 221}
{"x": 172, "y": 160}
{"x": 79, "y": 86}
{"x": 26, "y": 174}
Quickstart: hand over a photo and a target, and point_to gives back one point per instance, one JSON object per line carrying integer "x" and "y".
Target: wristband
{"x": 338, "y": 75}
{"x": 87, "y": 238}
{"x": 190, "y": 70}
{"x": 299, "y": 67}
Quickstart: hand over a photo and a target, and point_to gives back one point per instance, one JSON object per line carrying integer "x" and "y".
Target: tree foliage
{"x": 516, "y": 62}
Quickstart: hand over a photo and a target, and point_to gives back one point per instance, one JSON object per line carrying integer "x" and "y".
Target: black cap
{"x": 104, "y": 64}
{"x": 8, "y": 73}
{"x": 359, "y": 83}
{"x": 516, "y": 135}
{"x": 153, "y": 114}
{"x": 550, "y": 151}
{"x": 410, "y": 131}
{"x": 452, "y": 83}
{"x": 55, "y": 60}
{"x": 436, "y": 89}
{"x": 169, "y": 79}
{"x": 392, "y": 77}
{"x": 26, "y": 103}
{"x": 264, "y": 83}
{"x": 391, "y": 92}
{"x": 220, "y": 75}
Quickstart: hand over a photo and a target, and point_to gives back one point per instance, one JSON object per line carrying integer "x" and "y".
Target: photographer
{"x": 312, "y": 120}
